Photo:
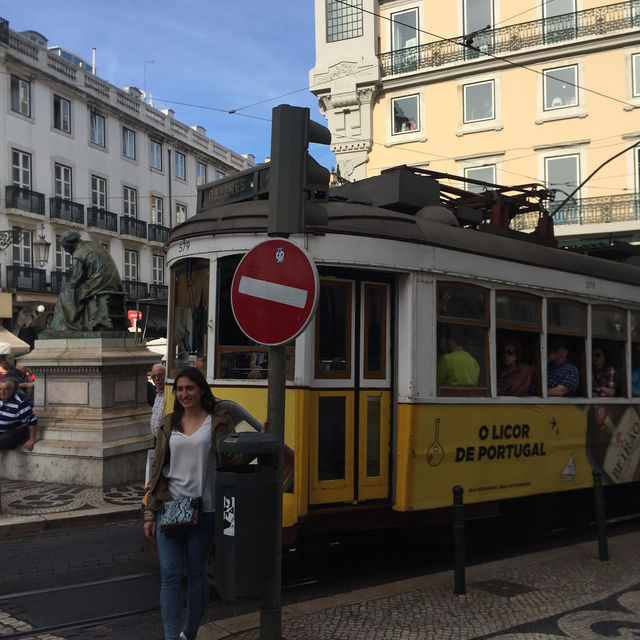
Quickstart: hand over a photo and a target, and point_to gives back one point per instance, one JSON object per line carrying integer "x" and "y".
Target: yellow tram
{"x": 404, "y": 263}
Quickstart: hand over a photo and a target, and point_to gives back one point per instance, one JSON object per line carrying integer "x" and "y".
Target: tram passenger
{"x": 604, "y": 377}
{"x": 515, "y": 377}
{"x": 457, "y": 368}
{"x": 563, "y": 378}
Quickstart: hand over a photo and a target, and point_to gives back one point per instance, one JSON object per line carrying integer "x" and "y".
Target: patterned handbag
{"x": 178, "y": 516}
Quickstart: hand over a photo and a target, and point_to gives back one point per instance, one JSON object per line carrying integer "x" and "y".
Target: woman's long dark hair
{"x": 208, "y": 400}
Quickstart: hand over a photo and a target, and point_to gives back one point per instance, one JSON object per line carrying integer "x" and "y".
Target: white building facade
{"x": 83, "y": 154}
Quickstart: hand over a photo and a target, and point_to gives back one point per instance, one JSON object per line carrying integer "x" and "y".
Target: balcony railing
{"x": 159, "y": 291}
{"x": 526, "y": 35}
{"x": 133, "y": 227}
{"x": 24, "y": 199}
{"x": 63, "y": 209}
{"x": 158, "y": 233}
{"x": 26, "y": 278}
{"x": 134, "y": 290}
{"x": 102, "y": 219}
{"x": 602, "y": 209}
{"x": 59, "y": 280}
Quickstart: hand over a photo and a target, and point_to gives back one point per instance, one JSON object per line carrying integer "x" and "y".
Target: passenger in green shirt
{"x": 458, "y": 368}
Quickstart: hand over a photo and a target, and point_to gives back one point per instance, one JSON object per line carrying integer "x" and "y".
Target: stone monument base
{"x": 93, "y": 417}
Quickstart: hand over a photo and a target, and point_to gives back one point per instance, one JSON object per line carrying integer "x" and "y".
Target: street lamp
{"x": 41, "y": 248}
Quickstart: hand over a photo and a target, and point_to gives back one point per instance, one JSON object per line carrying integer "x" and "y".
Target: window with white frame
{"x": 478, "y": 15}
{"x": 635, "y": 73}
{"x": 62, "y": 114}
{"x": 22, "y": 247}
{"x": 21, "y": 169}
{"x": 404, "y": 31}
{"x": 181, "y": 213}
{"x": 98, "y": 192}
{"x": 62, "y": 176}
{"x": 637, "y": 159}
{"x": 180, "y": 166}
{"x": 486, "y": 173}
{"x": 478, "y": 100}
{"x": 96, "y": 128}
{"x": 130, "y": 202}
{"x": 157, "y": 269}
{"x": 20, "y": 96}
{"x": 128, "y": 143}
{"x": 561, "y": 87}
{"x": 63, "y": 258}
{"x": 405, "y": 114}
{"x": 130, "y": 264}
{"x": 559, "y": 20}
{"x": 155, "y": 154}
{"x": 201, "y": 173}
{"x": 157, "y": 208}
{"x": 562, "y": 174}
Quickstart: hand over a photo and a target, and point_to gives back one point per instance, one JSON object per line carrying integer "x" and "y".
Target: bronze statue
{"x": 93, "y": 299}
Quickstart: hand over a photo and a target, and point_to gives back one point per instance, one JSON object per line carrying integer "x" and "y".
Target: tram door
{"x": 351, "y": 394}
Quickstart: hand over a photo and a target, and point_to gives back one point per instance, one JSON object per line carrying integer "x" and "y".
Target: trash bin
{"x": 246, "y": 515}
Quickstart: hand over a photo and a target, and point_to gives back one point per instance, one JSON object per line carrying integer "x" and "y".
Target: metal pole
{"x": 458, "y": 541}
{"x": 271, "y": 606}
{"x": 601, "y": 519}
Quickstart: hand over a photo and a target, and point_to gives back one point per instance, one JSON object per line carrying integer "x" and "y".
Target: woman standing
{"x": 184, "y": 466}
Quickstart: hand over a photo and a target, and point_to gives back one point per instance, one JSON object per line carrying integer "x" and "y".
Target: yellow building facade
{"x": 497, "y": 91}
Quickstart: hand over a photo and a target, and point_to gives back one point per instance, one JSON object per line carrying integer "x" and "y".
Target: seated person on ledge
{"x": 458, "y": 368}
{"x": 18, "y": 424}
{"x": 563, "y": 378}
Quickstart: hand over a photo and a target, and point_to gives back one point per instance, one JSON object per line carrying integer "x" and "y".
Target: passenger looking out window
{"x": 457, "y": 367}
{"x": 604, "y": 376}
{"x": 563, "y": 378}
{"x": 515, "y": 377}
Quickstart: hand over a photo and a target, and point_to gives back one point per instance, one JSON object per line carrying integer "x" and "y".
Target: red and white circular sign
{"x": 274, "y": 292}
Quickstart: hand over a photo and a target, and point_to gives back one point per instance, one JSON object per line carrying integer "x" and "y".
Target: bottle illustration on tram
{"x": 435, "y": 452}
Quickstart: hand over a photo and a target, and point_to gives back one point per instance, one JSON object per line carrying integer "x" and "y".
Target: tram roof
{"x": 428, "y": 226}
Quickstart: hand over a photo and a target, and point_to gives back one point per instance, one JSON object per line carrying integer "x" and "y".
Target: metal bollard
{"x": 458, "y": 541}
{"x": 601, "y": 521}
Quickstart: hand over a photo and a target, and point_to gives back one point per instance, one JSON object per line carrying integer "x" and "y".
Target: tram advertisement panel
{"x": 496, "y": 452}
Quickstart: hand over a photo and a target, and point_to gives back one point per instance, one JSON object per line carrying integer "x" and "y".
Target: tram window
{"x": 635, "y": 353}
{"x": 331, "y": 437}
{"x": 190, "y": 311}
{"x": 462, "y": 361}
{"x": 608, "y": 361}
{"x": 566, "y": 317}
{"x": 375, "y": 330}
{"x": 333, "y": 330}
{"x": 469, "y": 303}
{"x": 517, "y": 310}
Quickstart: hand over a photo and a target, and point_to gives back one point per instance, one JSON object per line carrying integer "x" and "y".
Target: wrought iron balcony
{"x": 59, "y": 280}
{"x": 602, "y": 209}
{"x": 26, "y": 278}
{"x": 526, "y": 35}
{"x": 134, "y": 290}
{"x": 133, "y": 227}
{"x": 102, "y": 219}
{"x": 4, "y": 31}
{"x": 159, "y": 291}
{"x": 24, "y": 199}
{"x": 63, "y": 209}
{"x": 158, "y": 233}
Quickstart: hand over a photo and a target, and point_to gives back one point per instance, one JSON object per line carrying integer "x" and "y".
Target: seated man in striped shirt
{"x": 18, "y": 424}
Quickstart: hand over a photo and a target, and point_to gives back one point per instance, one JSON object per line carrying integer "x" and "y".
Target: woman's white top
{"x": 191, "y": 469}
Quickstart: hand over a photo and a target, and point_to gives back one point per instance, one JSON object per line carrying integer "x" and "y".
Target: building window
{"x": 62, "y": 114}
{"x": 181, "y": 213}
{"x": 559, "y": 20}
{"x": 130, "y": 264}
{"x": 63, "y": 258}
{"x": 155, "y": 155}
{"x": 96, "y": 128}
{"x": 128, "y": 143}
{"x": 21, "y": 169}
{"x": 22, "y": 248}
{"x": 180, "y": 170}
{"x": 405, "y": 114}
{"x": 201, "y": 173}
{"x": 478, "y": 101}
{"x": 62, "y": 181}
{"x": 635, "y": 70}
{"x": 344, "y": 21}
{"x": 98, "y": 192}
{"x": 219, "y": 175}
{"x": 157, "y": 216}
{"x": 560, "y": 87}
{"x": 20, "y": 96}
{"x": 562, "y": 173}
{"x": 404, "y": 41}
{"x": 485, "y": 174}
{"x": 157, "y": 269}
{"x": 130, "y": 202}
{"x": 478, "y": 15}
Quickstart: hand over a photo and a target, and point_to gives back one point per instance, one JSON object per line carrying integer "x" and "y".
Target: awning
{"x": 17, "y": 347}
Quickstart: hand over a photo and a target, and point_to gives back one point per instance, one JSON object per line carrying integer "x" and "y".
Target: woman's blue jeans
{"x": 175, "y": 552}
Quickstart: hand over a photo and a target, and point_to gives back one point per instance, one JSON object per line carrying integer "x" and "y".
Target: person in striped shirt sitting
{"x": 18, "y": 424}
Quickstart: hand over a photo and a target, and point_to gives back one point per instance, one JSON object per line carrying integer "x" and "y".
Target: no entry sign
{"x": 274, "y": 292}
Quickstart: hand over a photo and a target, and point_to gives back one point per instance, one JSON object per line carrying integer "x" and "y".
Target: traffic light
{"x": 296, "y": 180}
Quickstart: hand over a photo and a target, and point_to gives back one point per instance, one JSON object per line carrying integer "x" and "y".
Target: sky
{"x": 217, "y": 55}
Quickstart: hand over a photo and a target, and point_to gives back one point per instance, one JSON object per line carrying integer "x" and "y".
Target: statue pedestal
{"x": 93, "y": 416}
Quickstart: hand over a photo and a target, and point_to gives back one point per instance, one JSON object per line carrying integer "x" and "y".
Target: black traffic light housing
{"x": 296, "y": 180}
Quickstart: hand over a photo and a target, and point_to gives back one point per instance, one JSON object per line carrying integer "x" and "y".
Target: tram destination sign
{"x": 274, "y": 292}
{"x": 249, "y": 184}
